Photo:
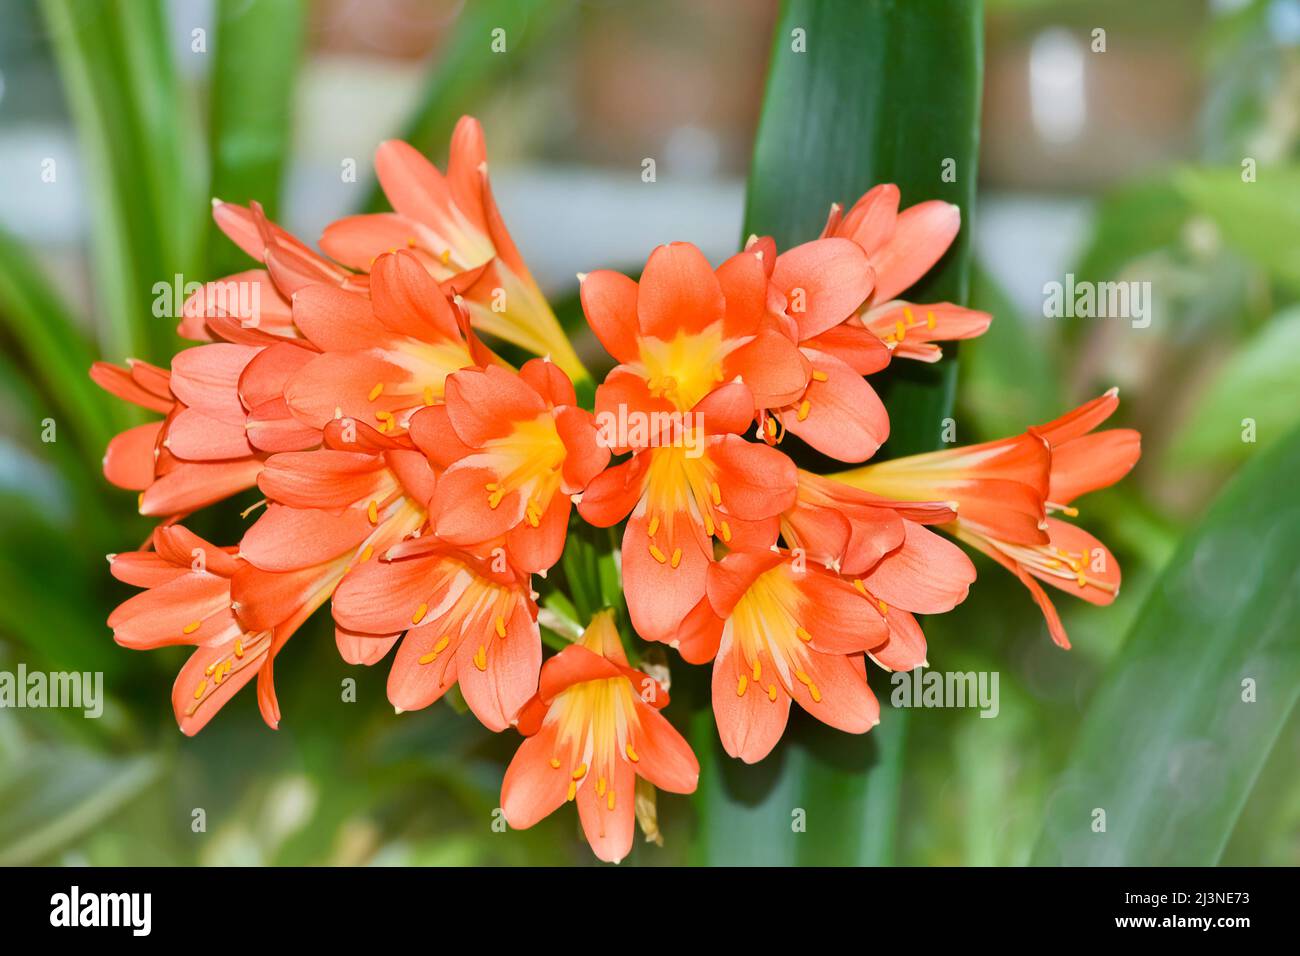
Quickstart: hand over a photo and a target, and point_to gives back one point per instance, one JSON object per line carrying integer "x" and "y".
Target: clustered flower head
{"x": 423, "y": 486}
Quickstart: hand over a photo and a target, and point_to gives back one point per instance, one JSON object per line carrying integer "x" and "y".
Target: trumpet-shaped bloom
{"x": 191, "y": 458}
{"x": 466, "y": 619}
{"x": 188, "y": 600}
{"x": 254, "y": 307}
{"x": 515, "y": 447}
{"x": 903, "y": 247}
{"x": 813, "y": 289}
{"x": 452, "y": 225}
{"x": 384, "y": 357}
{"x": 593, "y": 727}
{"x": 778, "y": 631}
{"x": 1007, "y": 491}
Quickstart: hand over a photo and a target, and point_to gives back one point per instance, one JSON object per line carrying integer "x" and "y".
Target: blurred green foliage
{"x": 356, "y": 784}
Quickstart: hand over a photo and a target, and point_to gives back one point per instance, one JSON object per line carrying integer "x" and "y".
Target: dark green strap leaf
{"x": 1173, "y": 741}
{"x": 859, "y": 92}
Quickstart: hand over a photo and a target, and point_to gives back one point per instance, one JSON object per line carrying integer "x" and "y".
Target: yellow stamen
{"x": 657, "y": 554}
{"x": 819, "y": 376}
{"x": 677, "y": 557}
{"x": 884, "y": 608}
{"x": 428, "y": 394}
{"x": 376, "y": 391}
{"x": 758, "y": 670}
{"x": 802, "y": 678}
{"x": 191, "y": 627}
{"x": 726, "y": 531}
{"x": 610, "y": 802}
{"x": 771, "y": 427}
{"x": 480, "y": 658}
{"x": 239, "y": 648}
{"x": 929, "y": 319}
{"x": 501, "y": 626}
{"x": 804, "y": 409}
{"x": 815, "y": 693}
{"x": 741, "y": 685}
{"x": 555, "y": 763}
{"x": 579, "y": 771}
{"x": 716, "y": 493}
{"x": 573, "y": 790}
{"x": 420, "y": 611}
{"x": 367, "y": 552}
{"x": 771, "y": 693}
{"x": 654, "y": 525}
{"x": 803, "y": 634}
{"x": 198, "y": 691}
{"x": 631, "y": 754}
{"x": 899, "y": 331}
{"x": 372, "y": 512}
{"x": 600, "y": 787}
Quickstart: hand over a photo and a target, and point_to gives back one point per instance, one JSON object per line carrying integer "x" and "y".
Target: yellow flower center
{"x": 680, "y": 482}
{"x": 528, "y": 460}
{"x": 685, "y": 368}
{"x": 596, "y": 720}
{"x": 765, "y": 626}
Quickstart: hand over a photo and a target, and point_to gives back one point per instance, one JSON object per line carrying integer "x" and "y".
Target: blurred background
{"x": 1107, "y": 164}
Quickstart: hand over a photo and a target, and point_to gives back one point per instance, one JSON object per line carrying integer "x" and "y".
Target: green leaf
{"x": 1260, "y": 382}
{"x": 1168, "y": 748}
{"x": 54, "y": 795}
{"x": 121, "y": 88}
{"x": 1008, "y": 377}
{"x": 54, "y": 350}
{"x": 1260, "y": 219}
{"x": 885, "y": 92}
{"x": 258, "y": 49}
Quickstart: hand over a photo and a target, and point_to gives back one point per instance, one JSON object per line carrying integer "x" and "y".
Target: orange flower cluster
{"x": 423, "y": 486}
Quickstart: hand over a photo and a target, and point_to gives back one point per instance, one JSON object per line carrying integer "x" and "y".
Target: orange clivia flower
{"x": 903, "y": 247}
{"x": 193, "y": 457}
{"x": 1007, "y": 491}
{"x": 452, "y": 225}
{"x": 384, "y": 357}
{"x": 467, "y": 620}
{"x": 188, "y": 600}
{"x": 778, "y": 630}
{"x": 593, "y": 727}
{"x": 516, "y": 448}
{"x": 813, "y": 290}
{"x": 688, "y": 340}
